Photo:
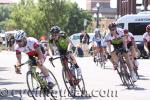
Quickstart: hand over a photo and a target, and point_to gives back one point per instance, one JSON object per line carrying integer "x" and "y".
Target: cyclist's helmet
{"x": 112, "y": 25}
{"x": 125, "y": 31}
{"x": 147, "y": 27}
{"x": 55, "y": 29}
{"x": 20, "y": 34}
{"x": 97, "y": 31}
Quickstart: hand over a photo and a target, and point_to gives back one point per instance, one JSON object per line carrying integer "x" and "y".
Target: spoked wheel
{"x": 55, "y": 91}
{"x": 136, "y": 72}
{"x": 75, "y": 87}
{"x": 126, "y": 76}
{"x": 34, "y": 87}
{"x": 41, "y": 92}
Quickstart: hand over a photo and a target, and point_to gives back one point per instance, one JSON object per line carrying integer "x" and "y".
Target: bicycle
{"x": 37, "y": 83}
{"x": 73, "y": 84}
{"x": 122, "y": 69}
{"x": 101, "y": 59}
{"x": 135, "y": 67}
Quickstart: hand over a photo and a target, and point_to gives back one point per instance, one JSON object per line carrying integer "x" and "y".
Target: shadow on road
{"x": 10, "y": 98}
{"x": 4, "y": 68}
{"x": 108, "y": 68}
{"x": 139, "y": 88}
{"x": 9, "y": 83}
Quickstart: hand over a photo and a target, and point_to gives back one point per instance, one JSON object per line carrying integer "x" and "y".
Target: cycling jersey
{"x": 129, "y": 39}
{"x": 61, "y": 43}
{"x": 29, "y": 49}
{"x": 146, "y": 37}
{"x": 99, "y": 41}
{"x": 116, "y": 41}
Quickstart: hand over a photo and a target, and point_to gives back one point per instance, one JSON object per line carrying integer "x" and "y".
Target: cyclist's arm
{"x": 109, "y": 46}
{"x": 39, "y": 52}
{"x": 146, "y": 46}
{"x": 134, "y": 44}
{"x": 18, "y": 56}
{"x": 124, "y": 42}
{"x": 50, "y": 48}
{"x": 70, "y": 44}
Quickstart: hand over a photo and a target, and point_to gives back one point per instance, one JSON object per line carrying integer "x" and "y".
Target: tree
{"x": 76, "y": 19}
{"x": 4, "y": 14}
{"x": 40, "y": 17}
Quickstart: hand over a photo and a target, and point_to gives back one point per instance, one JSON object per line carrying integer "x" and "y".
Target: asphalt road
{"x": 101, "y": 84}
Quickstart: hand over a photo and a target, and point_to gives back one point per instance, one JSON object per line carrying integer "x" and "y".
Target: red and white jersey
{"x": 146, "y": 37}
{"x": 29, "y": 49}
{"x": 129, "y": 38}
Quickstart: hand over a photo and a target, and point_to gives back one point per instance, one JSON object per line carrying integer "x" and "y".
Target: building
{"x": 131, "y": 6}
{"x": 105, "y": 9}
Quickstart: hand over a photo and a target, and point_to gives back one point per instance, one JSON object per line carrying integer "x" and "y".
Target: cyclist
{"x": 98, "y": 44}
{"x": 131, "y": 45}
{"x": 31, "y": 47}
{"x": 64, "y": 46}
{"x": 116, "y": 38}
{"x": 146, "y": 39}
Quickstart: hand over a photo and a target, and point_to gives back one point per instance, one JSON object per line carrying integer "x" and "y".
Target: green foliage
{"x": 40, "y": 17}
{"x": 4, "y": 15}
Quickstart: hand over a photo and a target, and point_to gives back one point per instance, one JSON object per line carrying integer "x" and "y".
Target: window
{"x": 76, "y": 37}
{"x": 120, "y": 25}
{"x": 137, "y": 28}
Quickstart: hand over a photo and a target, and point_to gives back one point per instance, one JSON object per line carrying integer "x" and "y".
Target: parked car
{"x": 75, "y": 38}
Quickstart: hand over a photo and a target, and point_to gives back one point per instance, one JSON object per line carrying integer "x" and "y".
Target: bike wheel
{"x": 128, "y": 80}
{"x": 55, "y": 92}
{"x": 70, "y": 86}
{"x": 40, "y": 93}
{"x": 77, "y": 86}
{"x": 34, "y": 87}
{"x": 136, "y": 72}
{"x": 81, "y": 87}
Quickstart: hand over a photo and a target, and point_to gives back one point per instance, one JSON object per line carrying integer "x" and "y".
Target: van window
{"x": 137, "y": 28}
{"x": 120, "y": 25}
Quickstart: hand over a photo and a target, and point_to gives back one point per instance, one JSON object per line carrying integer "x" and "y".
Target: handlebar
{"x": 23, "y": 63}
{"x": 52, "y": 59}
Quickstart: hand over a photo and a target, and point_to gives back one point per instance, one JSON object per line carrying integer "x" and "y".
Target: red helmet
{"x": 147, "y": 27}
{"x": 126, "y": 31}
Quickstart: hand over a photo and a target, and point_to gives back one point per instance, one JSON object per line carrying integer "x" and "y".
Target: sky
{"x": 82, "y": 3}
{"x": 113, "y": 3}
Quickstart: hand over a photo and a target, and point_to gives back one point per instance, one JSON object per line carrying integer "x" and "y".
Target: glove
{"x": 51, "y": 59}
{"x": 108, "y": 56}
{"x": 69, "y": 51}
{"x": 17, "y": 69}
{"x": 126, "y": 50}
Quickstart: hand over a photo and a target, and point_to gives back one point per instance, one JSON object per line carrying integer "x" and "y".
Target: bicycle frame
{"x": 65, "y": 62}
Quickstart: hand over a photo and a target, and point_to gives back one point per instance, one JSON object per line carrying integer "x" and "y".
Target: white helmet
{"x": 20, "y": 34}
{"x": 97, "y": 31}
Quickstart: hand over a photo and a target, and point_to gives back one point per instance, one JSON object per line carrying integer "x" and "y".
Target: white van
{"x": 136, "y": 24}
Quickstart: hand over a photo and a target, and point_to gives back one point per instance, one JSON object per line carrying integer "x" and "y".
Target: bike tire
{"x": 67, "y": 84}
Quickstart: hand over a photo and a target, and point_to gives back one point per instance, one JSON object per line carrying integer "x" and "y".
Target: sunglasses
{"x": 112, "y": 29}
{"x": 18, "y": 40}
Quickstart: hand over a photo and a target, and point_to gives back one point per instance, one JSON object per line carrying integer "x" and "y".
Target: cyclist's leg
{"x": 134, "y": 58}
{"x": 94, "y": 51}
{"x": 114, "y": 59}
{"x": 130, "y": 66}
{"x": 45, "y": 71}
{"x": 75, "y": 64}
